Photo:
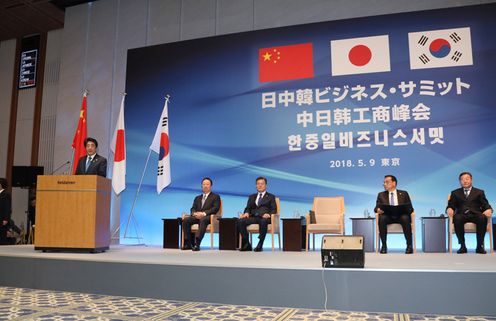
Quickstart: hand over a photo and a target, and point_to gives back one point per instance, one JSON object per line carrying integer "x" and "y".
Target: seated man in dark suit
{"x": 204, "y": 205}
{"x": 257, "y": 211}
{"x": 5, "y": 211}
{"x": 394, "y": 197}
{"x": 469, "y": 204}
{"x": 92, "y": 163}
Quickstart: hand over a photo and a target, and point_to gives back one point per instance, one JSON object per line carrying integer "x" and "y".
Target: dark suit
{"x": 5, "y": 211}
{"x": 404, "y": 219}
{"x": 267, "y": 205}
{"x": 210, "y": 207}
{"x": 98, "y": 166}
{"x": 469, "y": 209}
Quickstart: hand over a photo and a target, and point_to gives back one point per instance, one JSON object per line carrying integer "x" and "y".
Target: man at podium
{"x": 92, "y": 163}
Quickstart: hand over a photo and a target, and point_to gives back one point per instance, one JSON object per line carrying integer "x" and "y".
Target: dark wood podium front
{"x": 171, "y": 233}
{"x": 293, "y": 234}
{"x": 228, "y": 233}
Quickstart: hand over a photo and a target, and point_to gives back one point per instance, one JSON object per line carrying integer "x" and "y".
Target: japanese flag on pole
{"x": 118, "y": 147}
{"x": 440, "y": 48}
{"x": 160, "y": 145}
{"x": 360, "y": 55}
{"x": 80, "y": 136}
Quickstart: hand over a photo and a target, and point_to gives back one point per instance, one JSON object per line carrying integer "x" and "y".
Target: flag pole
{"x": 131, "y": 213}
{"x": 86, "y": 92}
{"x": 72, "y": 161}
{"x": 118, "y": 228}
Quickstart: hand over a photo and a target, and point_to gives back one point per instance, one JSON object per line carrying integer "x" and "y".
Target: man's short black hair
{"x": 208, "y": 179}
{"x": 4, "y": 183}
{"x": 90, "y": 139}
{"x": 261, "y": 177}
{"x": 464, "y": 173}
{"x": 393, "y": 178}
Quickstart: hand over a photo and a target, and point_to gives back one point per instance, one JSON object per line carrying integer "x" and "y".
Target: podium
{"x": 73, "y": 213}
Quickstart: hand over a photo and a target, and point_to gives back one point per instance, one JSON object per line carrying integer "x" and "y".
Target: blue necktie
{"x": 391, "y": 199}
{"x": 259, "y": 199}
{"x": 88, "y": 162}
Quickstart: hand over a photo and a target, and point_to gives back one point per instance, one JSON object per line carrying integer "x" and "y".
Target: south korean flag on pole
{"x": 440, "y": 48}
{"x": 160, "y": 145}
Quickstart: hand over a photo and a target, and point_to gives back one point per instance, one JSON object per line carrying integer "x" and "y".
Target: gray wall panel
{"x": 164, "y": 21}
{"x": 198, "y": 19}
{"x": 49, "y": 102}
{"x": 22, "y": 149}
{"x": 234, "y": 16}
{"x": 7, "y": 59}
{"x": 25, "y": 106}
{"x": 277, "y": 13}
{"x": 70, "y": 92}
{"x": 99, "y": 68}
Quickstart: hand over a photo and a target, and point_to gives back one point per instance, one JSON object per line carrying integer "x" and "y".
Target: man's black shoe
{"x": 246, "y": 247}
{"x": 196, "y": 248}
{"x": 186, "y": 247}
{"x": 462, "y": 250}
{"x": 258, "y": 248}
{"x": 480, "y": 250}
{"x": 409, "y": 249}
{"x": 384, "y": 249}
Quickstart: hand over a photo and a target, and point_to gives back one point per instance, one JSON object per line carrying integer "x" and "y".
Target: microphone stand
{"x": 58, "y": 168}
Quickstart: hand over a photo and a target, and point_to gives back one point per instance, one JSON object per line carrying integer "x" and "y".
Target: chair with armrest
{"x": 469, "y": 228}
{"x": 272, "y": 229}
{"x": 212, "y": 228}
{"x": 394, "y": 228}
{"x": 329, "y": 217}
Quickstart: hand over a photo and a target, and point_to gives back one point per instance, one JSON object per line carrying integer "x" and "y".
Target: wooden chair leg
{"x": 414, "y": 240}
{"x": 450, "y": 237}
{"x": 377, "y": 238}
{"x": 313, "y": 247}
{"x": 211, "y": 238}
{"x": 490, "y": 235}
{"x": 272, "y": 241}
{"x": 182, "y": 238}
{"x": 306, "y": 242}
{"x": 279, "y": 240}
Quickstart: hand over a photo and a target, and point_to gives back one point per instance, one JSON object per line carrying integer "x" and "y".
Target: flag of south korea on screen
{"x": 440, "y": 48}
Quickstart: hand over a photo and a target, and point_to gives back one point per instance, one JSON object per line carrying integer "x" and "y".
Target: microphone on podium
{"x": 58, "y": 168}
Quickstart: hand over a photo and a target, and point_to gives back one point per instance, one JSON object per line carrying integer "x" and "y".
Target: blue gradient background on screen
{"x": 218, "y": 128}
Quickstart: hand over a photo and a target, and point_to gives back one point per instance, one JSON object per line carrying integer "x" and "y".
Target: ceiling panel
{"x": 19, "y": 18}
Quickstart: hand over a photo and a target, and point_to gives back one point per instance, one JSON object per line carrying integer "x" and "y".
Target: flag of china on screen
{"x": 285, "y": 62}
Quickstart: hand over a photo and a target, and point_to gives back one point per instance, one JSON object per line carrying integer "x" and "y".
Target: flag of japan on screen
{"x": 285, "y": 62}
{"x": 440, "y": 48}
{"x": 360, "y": 55}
